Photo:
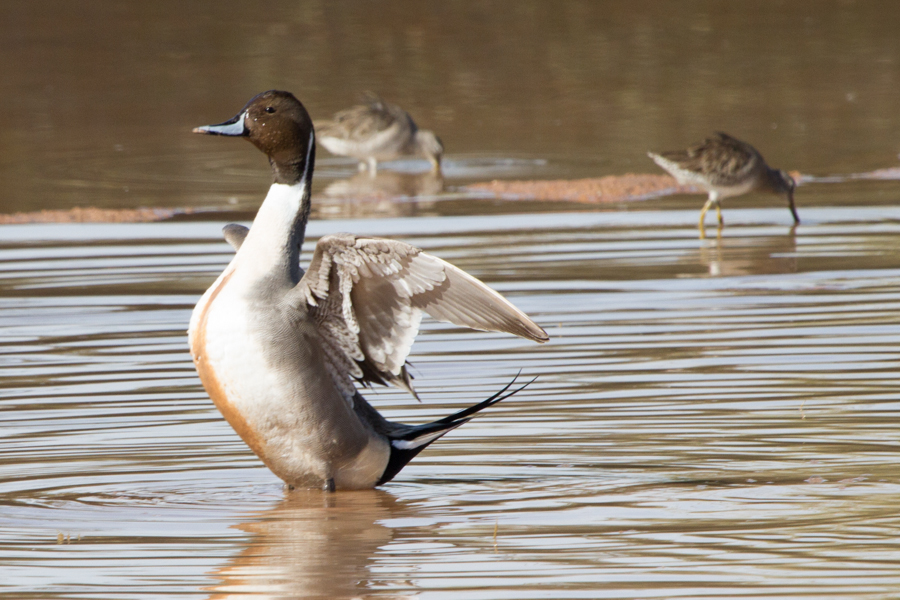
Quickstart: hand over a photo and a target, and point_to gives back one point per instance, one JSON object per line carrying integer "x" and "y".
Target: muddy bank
{"x": 612, "y": 188}
{"x": 95, "y": 215}
{"x": 390, "y": 187}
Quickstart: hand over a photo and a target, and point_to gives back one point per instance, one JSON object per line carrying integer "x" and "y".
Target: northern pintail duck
{"x": 725, "y": 167}
{"x": 278, "y": 349}
{"x": 378, "y": 131}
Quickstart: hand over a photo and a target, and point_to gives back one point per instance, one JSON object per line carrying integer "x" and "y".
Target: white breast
{"x": 259, "y": 402}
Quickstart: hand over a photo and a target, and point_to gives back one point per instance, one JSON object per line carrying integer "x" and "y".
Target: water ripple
{"x": 710, "y": 418}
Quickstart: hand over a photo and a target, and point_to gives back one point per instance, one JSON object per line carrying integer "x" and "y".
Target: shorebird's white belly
{"x": 688, "y": 177}
{"x": 384, "y": 145}
{"x": 737, "y": 189}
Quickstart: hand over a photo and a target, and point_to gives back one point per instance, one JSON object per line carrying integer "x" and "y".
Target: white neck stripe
{"x": 309, "y": 149}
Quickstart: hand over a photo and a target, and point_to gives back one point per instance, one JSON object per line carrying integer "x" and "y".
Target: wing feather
{"x": 722, "y": 159}
{"x": 368, "y": 296}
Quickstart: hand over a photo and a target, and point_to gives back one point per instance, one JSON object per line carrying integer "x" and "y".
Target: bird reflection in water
{"x": 750, "y": 255}
{"x": 386, "y": 194}
{"x": 312, "y": 545}
{"x": 388, "y": 184}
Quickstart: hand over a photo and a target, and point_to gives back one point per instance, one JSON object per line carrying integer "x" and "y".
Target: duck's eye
{"x": 270, "y": 109}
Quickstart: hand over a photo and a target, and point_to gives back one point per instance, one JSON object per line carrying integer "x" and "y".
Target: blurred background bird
{"x": 378, "y": 131}
{"x": 725, "y": 166}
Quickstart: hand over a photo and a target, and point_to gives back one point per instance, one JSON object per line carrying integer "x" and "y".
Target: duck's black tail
{"x": 407, "y": 444}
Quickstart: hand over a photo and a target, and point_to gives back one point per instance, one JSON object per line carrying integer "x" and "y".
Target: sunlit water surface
{"x": 710, "y": 419}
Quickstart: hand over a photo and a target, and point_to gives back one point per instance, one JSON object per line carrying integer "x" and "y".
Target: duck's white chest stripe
{"x": 267, "y": 240}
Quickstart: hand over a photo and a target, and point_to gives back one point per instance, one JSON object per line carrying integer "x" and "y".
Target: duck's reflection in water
{"x": 726, "y": 256}
{"x": 312, "y": 545}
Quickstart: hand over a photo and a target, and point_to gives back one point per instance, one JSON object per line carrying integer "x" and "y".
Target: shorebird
{"x": 278, "y": 348}
{"x": 378, "y": 131}
{"x": 725, "y": 167}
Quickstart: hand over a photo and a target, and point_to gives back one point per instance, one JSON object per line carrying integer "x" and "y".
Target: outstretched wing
{"x": 367, "y": 296}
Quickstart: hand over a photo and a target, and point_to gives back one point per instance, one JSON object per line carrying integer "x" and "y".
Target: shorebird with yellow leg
{"x": 725, "y": 167}
{"x": 279, "y": 349}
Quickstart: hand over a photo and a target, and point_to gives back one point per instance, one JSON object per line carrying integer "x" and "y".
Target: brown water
{"x": 712, "y": 419}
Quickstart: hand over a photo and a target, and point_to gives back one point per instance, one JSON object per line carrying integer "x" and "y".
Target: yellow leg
{"x": 706, "y": 206}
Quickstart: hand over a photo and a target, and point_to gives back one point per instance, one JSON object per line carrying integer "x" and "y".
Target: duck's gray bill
{"x": 233, "y": 126}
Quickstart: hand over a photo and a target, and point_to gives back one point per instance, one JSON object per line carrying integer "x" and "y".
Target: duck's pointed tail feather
{"x": 406, "y": 445}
